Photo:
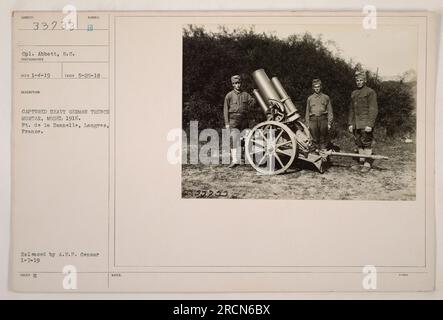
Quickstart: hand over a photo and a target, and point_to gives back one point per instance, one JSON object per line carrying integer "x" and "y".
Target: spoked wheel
{"x": 271, "y": 147}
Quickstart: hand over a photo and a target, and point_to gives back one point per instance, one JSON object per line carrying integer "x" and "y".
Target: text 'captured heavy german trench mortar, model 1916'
{"x": 271, "y": 147}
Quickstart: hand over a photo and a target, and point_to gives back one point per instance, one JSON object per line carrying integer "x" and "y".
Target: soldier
{"x": 236, "y": 107}
{"x": 319, "y": 115}
{"x": 363, "y": 112}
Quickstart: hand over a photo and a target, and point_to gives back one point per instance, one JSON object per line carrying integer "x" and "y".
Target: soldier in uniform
{"x": 319, "y": 115}
{"x": 363, "y": 112}
{"x": 236, "y": 107}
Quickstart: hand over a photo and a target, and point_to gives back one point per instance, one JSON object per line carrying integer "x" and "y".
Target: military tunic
{"x": 363, "y": 109}
{"x": 236, "y": 107}
{"x": 319, "y": 115}
{"x": 363, "y": 112}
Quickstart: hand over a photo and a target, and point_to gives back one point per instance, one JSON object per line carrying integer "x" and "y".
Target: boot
{"x": 361, "y": 151}
{"x": 366, "y": 167}
{"x": 242, "y": 154}
{"x": 368, "y": 162}
{"x": 360, "y": 161}
{"x": 235, "y": 161}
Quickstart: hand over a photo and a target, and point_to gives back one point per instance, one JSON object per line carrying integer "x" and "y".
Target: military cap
{"x": 235, "y": 78}
{"x": 360, "y": 75}
{"x": 316, "y": 81}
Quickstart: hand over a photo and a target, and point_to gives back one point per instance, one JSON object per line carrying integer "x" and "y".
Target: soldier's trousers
{"x": 237, "y": 121}
{"x": 319, "y": 130}
{"x": 363, "y": 139}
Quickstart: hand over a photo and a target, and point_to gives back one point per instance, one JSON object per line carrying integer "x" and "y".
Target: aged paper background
{"x": 134, "y": 212}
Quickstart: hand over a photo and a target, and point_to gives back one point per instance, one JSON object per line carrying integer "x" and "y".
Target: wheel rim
{"x": 271, "y": 147}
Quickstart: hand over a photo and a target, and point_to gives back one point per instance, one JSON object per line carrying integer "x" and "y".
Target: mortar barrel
{"x": 289, "y": 105}
{"x": 265, "y": 86}
{"x": 260, "y": 101}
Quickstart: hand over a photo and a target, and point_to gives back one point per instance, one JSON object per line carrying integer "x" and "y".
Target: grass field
{"x": 392, "y": 179}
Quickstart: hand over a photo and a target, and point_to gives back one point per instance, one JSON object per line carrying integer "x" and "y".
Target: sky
{"x": 393, "y": 49}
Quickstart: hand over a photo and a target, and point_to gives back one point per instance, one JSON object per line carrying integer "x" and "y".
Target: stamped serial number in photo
{"x": 206, "y": 194}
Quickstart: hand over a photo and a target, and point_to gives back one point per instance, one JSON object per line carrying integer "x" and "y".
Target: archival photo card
{"x": 217, "y": 151}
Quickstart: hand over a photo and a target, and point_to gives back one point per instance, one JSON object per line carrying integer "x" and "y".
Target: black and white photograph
{"x": 303, "y": 112}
